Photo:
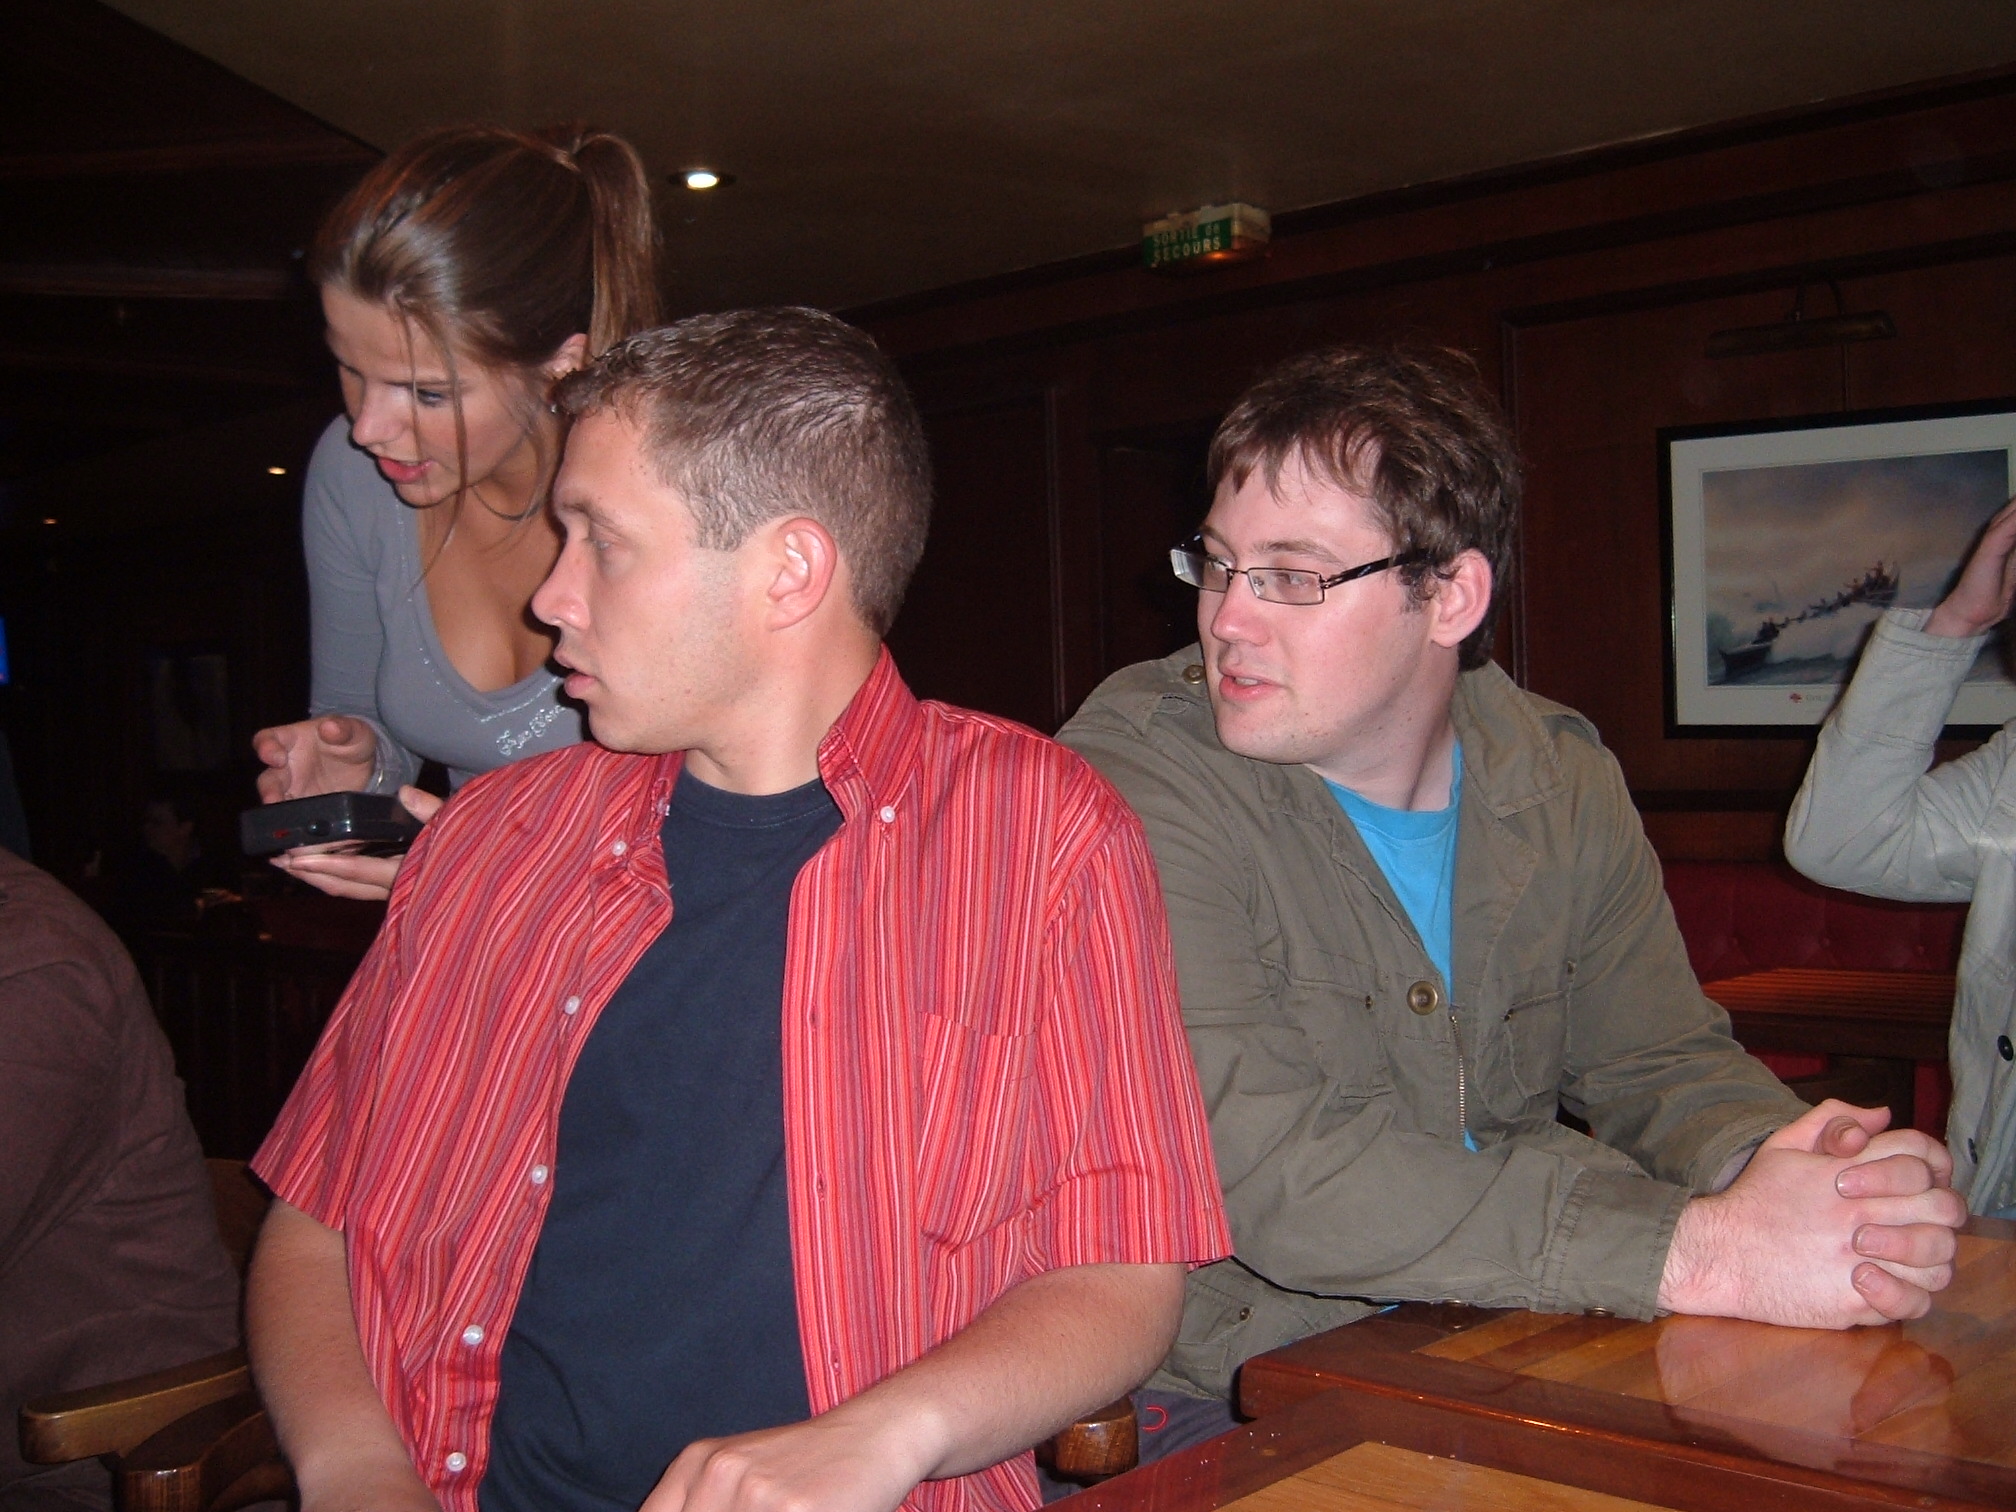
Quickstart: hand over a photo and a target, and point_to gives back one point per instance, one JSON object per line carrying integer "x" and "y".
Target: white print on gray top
{"x": 376, "y": 653}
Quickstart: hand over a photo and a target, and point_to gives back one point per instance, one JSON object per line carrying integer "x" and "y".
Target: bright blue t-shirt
{"x": 1417, "y": 852}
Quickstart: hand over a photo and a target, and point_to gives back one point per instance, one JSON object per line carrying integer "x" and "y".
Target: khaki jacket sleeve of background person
{"x": 1338, "y": 1108}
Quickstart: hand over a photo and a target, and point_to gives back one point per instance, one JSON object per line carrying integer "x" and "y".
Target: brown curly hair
{"x": 1413, "y": 430}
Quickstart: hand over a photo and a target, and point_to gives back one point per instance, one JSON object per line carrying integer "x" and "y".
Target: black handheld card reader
{"x": 373, "y": 823}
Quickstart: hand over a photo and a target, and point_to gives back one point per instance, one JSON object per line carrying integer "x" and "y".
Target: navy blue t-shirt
{"x": 660, "y": 1307}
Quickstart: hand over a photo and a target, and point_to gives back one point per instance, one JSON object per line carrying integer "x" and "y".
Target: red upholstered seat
{"x": 1743, "y": 916}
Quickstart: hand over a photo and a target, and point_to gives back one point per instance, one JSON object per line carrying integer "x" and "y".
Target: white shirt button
{"x": 539, "y": 1175}
{"x": 888, "y": 813}
{"x": 572, "y": 1005}
{"x": 473, "y": 1335}
{"x": 456, "y": 1462}
{"x": 620, "y": 847}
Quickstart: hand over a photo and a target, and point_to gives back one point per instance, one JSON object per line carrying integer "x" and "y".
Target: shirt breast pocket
{"x": 975, "y": 1122}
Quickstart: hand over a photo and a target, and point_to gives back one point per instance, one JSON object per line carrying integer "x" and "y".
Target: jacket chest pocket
{"x": 1334, "y": 1007}
{"x": 1536, "y": 1033}
{"x": 1527, "y": 1046}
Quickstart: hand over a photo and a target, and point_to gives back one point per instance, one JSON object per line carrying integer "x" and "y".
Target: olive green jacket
{"x": 1341, "y": 1072}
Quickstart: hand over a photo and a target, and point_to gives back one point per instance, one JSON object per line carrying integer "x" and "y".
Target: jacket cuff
{"x": 1609, "y": 1250}
{"x": 1723, "y": 1158}
{"x": 1906, "y": 628}
{"x": 1906, "y": 681}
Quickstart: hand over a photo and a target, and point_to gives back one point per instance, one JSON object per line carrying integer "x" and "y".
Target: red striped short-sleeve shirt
{"x": 985, "y": 1076}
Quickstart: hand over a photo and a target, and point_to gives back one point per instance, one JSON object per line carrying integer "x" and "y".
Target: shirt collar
{"x": 868, "y": 757}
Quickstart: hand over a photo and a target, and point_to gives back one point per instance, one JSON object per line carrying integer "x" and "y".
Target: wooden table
{"x": 1342, "y": 1451}
{"x": 1918, "y": 1414}
{"x": 1873, "y": 1025}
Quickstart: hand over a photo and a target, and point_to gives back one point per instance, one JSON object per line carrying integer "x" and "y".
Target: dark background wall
{"x": 1069, "y": 408}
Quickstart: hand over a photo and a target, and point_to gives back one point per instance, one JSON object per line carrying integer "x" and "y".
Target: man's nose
{"x": 1238, "y": 615}
{"x": 554, "y": 602}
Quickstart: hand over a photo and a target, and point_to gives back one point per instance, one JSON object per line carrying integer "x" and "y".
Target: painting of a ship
{"x": 1789, "y": 540}
{"x": 1877, "y": 588}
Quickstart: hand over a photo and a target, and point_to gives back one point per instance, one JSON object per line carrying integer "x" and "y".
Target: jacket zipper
{"x": 1462, "y": 1087}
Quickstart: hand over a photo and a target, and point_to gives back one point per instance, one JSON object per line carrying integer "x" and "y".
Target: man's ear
{"x": 1462, "y": 598}
{"x": 803, "y": 564}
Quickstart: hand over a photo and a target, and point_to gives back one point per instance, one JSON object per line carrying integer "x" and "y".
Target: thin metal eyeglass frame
{"x": 1192, "y": 550}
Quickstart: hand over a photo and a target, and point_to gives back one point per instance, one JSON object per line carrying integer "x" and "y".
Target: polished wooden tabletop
{"x": 1371, "y": 1477}
{"x": 1346, "y": 1451}
{"x": 1926, "y": 1408}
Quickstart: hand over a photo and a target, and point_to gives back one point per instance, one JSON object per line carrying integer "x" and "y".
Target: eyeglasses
{"x": 1194, "y": 564}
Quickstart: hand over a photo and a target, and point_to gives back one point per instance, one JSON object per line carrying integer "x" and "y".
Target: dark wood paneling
{"x": 1592, "y": 395}
{"x": 1151, "y": 497}
{"x": 979, "y": 626}
{"x": 1586, "y": 290}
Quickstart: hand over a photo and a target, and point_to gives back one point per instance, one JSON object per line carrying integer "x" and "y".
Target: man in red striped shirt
{"x": 781, "y": 1101}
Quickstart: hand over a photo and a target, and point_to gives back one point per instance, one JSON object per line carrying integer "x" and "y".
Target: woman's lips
{"x": 401, "y": 472}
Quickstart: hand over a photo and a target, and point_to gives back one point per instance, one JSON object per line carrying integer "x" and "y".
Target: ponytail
{"x": 503, "y": 243}
{"x": 623, "y": 232}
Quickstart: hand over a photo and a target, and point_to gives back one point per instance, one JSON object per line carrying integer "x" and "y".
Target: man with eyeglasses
{"x": 1416, "y": 916}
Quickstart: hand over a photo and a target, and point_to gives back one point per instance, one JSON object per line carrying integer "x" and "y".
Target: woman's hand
{"x": 343, "y": 874}
{"x": 1981, "y": 599}
{"x": 332, "y": 754}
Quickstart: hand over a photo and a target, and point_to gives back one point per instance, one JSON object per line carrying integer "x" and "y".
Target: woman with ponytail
{"x": 467, "y": 274}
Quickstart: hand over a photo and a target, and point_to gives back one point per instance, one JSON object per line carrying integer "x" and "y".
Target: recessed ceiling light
{"x": 704, "y": 178}
{"x": 278, "y": 472}
{"x": 48, "y": 520}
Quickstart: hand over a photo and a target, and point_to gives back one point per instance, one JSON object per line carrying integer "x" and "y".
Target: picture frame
{"x": 1785, "y": 540}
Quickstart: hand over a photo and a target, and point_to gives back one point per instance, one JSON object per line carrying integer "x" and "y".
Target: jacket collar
{"x": 1508, "y": 755}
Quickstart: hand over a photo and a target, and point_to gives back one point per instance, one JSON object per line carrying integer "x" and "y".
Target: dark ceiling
{"x": 154, "y": 200}
{"x": 152, "y": 210}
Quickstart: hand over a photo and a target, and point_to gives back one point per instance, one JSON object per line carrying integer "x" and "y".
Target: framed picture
{"x": 1786, "y": 540}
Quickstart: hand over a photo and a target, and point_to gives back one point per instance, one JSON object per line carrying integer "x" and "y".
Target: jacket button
{"x": 1194, "y": 673}
{"x": 2004, "y": 1048}
{"x": 1424, "y": 997}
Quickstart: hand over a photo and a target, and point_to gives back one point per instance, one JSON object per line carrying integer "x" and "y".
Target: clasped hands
{"x": 1837, "y": 1220}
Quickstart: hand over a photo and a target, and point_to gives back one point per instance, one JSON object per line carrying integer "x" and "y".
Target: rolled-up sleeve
{"x": 1121, "y": 1123}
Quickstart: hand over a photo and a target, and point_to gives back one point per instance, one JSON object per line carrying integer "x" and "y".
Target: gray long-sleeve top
{"x": 376, "y": 654}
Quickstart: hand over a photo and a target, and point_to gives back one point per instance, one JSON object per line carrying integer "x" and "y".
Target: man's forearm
{"x": 1055, "y": 1347}
{"x": 310, "y": 1367}
{"x": 1058, "y": 1346}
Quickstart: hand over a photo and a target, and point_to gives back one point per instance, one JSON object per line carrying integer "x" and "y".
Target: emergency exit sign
{"x": 1205, "y": 238}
